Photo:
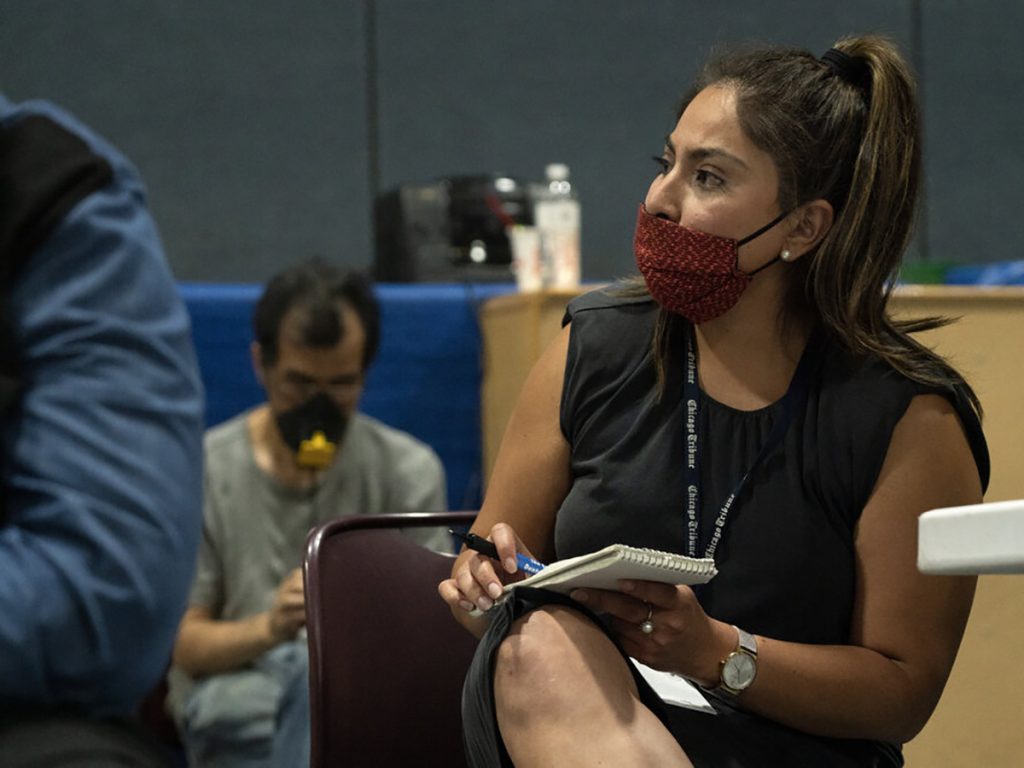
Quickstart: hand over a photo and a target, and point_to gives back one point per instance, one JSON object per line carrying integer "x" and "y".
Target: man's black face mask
{"x": 313, "y": 430}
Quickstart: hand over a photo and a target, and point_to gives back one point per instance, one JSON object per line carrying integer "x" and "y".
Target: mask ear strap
{"x": 764, "y": 229}
{"x": 764, "y": 266}
{"x": 758, "y": 233}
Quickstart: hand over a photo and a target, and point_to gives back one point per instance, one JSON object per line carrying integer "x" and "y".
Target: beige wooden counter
{"x": 980, "y": 720}
{"x": 516, "y": 328}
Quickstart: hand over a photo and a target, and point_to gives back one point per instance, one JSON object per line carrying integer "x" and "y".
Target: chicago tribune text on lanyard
{"x": 795, "y": 397}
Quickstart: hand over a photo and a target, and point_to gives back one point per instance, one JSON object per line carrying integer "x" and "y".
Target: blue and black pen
{"x": 528, "y": 565}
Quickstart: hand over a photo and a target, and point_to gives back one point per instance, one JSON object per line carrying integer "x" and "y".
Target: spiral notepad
{"x": 603, "y": 569}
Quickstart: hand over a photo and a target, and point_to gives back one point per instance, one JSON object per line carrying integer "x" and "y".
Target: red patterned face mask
{"x": 689, "y": 272}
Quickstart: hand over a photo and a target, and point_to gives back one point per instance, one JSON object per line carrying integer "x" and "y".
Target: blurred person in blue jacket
{"x": 100, "y": 447}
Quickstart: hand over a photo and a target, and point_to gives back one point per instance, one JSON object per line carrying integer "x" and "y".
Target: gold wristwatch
{"x": 738, "y": 670}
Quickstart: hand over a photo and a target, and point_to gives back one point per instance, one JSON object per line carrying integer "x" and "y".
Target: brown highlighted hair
{"x": 856, "y": 143}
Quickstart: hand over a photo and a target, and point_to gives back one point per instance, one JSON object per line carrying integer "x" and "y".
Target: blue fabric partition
{"x": 995, "y": 273}
{"x": 426, "y": 379}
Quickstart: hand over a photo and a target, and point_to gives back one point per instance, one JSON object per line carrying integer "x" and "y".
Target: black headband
{"x": 850, "y": 69}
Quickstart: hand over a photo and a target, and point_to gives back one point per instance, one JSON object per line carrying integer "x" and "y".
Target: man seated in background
{"x": 304, "y": 457}
{"x": 100, "y": 447}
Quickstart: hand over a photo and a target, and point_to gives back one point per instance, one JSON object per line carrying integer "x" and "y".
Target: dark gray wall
{"x": 973, "y": 61}
{"x": 264, "y": 129}
{"x": 247, "y": 119}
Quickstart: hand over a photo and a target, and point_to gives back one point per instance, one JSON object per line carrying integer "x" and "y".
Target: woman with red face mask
{"x": 749, "y": 399}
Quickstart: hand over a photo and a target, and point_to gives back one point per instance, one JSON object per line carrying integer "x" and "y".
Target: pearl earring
{"x": 786, "y": 255}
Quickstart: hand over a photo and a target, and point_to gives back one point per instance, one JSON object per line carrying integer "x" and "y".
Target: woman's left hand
{"x": 681, "y": 637}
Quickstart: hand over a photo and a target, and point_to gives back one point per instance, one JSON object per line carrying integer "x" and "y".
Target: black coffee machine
{"x": 449, "y": 230}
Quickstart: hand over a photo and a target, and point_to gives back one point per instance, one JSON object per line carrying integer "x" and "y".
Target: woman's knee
{"x": 546, "y": 658}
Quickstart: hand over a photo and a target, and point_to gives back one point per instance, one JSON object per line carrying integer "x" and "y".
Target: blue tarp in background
{"x": 999, "y": 273}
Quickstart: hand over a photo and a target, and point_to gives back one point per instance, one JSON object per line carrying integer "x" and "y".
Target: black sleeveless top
{"x": 786, "y": 559}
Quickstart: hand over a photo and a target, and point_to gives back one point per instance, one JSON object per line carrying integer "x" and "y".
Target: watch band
{"x": 747, "y": 642}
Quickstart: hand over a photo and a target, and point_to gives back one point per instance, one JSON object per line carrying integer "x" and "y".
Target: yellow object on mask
{"x": 317, "y": 452}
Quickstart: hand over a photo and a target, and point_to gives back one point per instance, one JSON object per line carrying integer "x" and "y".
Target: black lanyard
{"x": 794, "y": 399}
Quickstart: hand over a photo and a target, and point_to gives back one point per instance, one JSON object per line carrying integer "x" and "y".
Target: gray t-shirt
{"x": 255, "y": 528}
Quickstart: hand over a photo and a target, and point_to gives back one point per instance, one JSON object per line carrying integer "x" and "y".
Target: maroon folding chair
{"x": 386, "y": 658}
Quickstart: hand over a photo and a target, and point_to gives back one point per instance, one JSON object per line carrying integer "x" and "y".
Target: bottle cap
{"x": 556, "y": 171}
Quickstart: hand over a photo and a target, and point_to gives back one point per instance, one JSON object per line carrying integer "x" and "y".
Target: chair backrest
{"x": 386, "y": 658}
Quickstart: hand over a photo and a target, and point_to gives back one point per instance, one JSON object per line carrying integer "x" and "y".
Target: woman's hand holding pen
{"x": 683, "y": 638}
{"x": 478, "y": 580}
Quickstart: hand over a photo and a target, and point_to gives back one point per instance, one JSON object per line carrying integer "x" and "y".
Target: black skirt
{"x": 730, "y": 739}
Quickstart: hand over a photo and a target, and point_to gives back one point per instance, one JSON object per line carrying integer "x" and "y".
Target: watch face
{"x": 738, "y": 671}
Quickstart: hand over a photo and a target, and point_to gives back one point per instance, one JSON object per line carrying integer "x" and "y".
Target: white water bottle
{"x": 556, "y": 214}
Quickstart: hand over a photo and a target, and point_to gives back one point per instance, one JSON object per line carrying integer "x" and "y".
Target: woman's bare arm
{"x": 906, "y": 626}
{"x": 529, "y": 482}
